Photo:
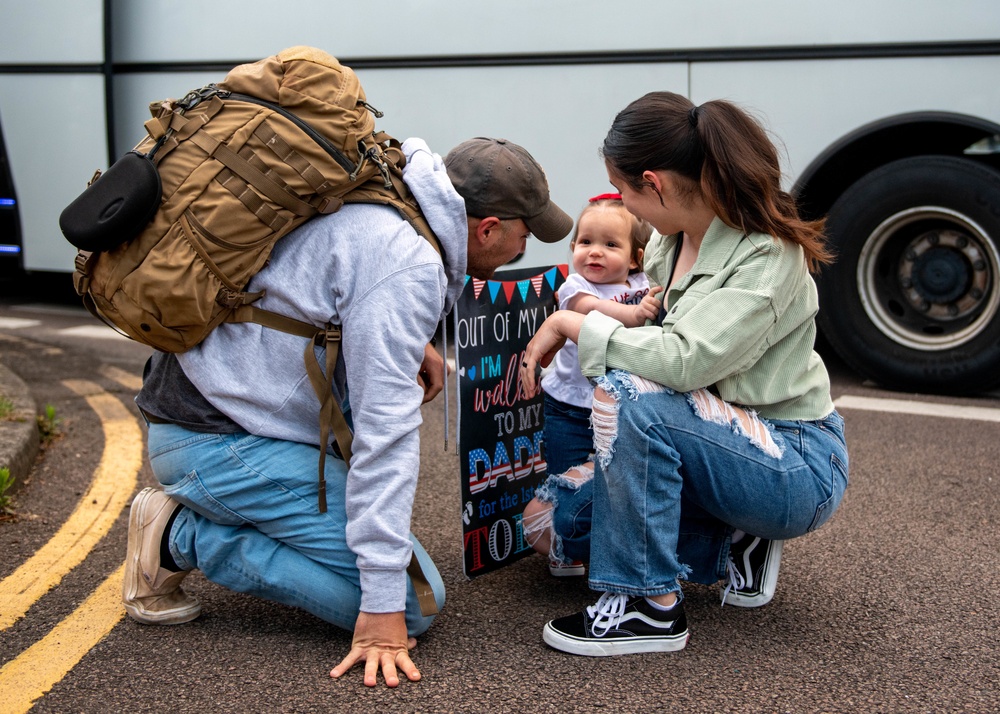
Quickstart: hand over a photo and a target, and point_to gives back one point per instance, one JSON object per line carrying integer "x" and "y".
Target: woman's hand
{"x": 560, "y": 326}
{"x": 380, "y": 641}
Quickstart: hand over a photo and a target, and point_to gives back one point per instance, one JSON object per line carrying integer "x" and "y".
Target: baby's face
{"x": 602, "y": 251}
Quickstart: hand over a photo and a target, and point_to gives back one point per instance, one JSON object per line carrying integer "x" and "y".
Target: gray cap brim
{"x": 551, "y": 225}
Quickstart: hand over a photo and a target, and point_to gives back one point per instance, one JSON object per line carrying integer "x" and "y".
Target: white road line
{"x": 16, "y": 323}
{"x": 51, "y": 309}
{"x": 904, "y": 406}
{"x": 98, "y": 331}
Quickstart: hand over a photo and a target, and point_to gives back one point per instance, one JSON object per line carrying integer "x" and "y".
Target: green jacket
{"x": 741, "y": 321}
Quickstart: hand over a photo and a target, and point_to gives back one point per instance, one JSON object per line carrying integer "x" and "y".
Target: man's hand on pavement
{"x": 380, "y": 641}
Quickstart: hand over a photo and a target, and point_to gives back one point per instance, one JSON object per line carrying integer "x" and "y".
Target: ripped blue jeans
{"x": 676, "y": 473}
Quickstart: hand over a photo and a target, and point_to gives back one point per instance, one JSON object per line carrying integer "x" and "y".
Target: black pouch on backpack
{"x": 115, "y": 207}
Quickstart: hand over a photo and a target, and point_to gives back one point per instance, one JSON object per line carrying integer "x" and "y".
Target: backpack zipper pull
{"x": 369, "y": 107}
{"x": 371, "y": 154}
{"x": 363, "y": 158}
{"x": 375, "y": 156}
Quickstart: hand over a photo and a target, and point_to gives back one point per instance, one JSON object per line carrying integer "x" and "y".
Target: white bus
{"x": 888, "y": 113}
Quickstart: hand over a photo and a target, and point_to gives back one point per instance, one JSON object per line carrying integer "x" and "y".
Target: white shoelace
{"x": 606, "y": 612}
{"x": 736, "y": 579}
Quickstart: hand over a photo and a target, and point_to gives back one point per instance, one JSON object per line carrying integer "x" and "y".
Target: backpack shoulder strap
{"x": 249, "y": 313}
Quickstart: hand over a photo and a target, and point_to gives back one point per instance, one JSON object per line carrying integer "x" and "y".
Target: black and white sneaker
{"x": 617, "y": 625}
{"x": 753, "y": 571}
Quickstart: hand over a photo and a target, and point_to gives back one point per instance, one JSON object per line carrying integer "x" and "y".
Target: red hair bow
{"x": 606, "y": 197}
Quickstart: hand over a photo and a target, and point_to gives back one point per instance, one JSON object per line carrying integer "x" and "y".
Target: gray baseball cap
{"x": 498, "y": 178}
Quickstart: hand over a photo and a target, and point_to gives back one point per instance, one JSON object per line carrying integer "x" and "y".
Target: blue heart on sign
{"x": 472, "y": 372}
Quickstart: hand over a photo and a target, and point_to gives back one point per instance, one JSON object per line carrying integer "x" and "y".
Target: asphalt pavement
{"x": 890, "y": 607}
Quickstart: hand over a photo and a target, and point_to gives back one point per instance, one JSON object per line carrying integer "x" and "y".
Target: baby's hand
{"x": 649, "y": 308}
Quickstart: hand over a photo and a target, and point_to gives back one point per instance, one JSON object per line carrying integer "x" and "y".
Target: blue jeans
{"x": 699, "y": 536}
{"x": 572, "y": 512}
{"x": 252, "y": 522}
{"x": 671, "y": 484}
{"x": 569, "y": 440}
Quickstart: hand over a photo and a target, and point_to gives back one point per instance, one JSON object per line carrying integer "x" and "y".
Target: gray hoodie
{"x": 366, "y": 269}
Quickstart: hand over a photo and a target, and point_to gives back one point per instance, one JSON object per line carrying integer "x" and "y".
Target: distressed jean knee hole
{"x": 745, "y": 422}
{"x": 604, "y": 420}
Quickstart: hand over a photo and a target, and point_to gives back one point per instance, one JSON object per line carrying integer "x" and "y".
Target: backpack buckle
{"x": 197, "y": 96}
{"x": 330, "y": 204}
{"x": 330, "y": 335}
{"x": 233, "y": 299}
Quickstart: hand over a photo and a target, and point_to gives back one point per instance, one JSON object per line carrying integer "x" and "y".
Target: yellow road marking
{"x": 34, "y": 672}
{"x": 113, "y": 483}
{"x": 31, "y": 344}
{"x": 126, "y": 379}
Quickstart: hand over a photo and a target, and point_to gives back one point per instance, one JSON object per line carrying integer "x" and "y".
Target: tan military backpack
{"x": 172, "y": 233}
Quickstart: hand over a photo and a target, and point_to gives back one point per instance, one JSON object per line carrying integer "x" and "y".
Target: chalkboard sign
{"x": 501, "y": 449}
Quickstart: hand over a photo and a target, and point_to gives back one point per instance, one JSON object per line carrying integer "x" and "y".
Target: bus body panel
{"x": 154, "y": 30}
{"x": 809, "y": 105}
{"x": 859, "y": 97}
{"x": 53, "y": 125}
{"x": 52, "y": 32}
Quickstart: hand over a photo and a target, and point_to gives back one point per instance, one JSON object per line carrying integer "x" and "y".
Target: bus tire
{"x": 913, "y": 298}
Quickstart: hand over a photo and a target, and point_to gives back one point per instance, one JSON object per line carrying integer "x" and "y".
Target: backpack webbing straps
{"x": 425, "y": 595}
{"x": 330, "y": 414}
{"x": 252, "y": 175}
{"x": 249, "y": 313}
{"x": 284, "y": 151}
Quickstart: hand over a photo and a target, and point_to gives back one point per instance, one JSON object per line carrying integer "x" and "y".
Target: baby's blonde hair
{"x": 639, "y": 230}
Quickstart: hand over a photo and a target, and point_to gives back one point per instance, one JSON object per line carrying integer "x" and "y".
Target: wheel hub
{"x": 943, "y": 274}
{"x": 927, "y": 278}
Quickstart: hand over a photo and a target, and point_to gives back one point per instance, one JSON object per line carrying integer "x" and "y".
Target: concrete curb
{"x": 19, "y": 433}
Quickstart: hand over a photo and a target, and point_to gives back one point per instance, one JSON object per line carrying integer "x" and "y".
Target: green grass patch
{"x": 48, "y": 425}
{"x": 6, "y": 481}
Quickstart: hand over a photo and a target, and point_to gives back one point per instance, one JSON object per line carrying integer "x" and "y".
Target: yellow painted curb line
{"x": 126, "y": 379}
{"x": 36, "y": 670}
{"x": 113, "y": 483}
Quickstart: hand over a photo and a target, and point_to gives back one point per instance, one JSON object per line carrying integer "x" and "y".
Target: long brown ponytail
{"x": 724, "y": 152}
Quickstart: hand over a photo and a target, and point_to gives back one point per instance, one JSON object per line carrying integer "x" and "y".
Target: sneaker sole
{"x": 568, "y": 572}
{"x": 130, "y": 582}
{"x": 590, "y": 647}
{"x": 766, "y": 593}
{"x": 172, "y": 617}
